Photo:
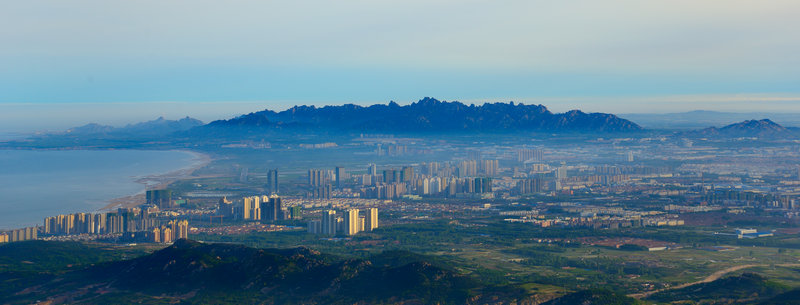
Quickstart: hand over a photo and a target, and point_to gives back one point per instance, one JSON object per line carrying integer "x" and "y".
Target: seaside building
{"x": 160, "y": 198}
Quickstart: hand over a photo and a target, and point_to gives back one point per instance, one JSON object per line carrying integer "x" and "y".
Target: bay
{"x": 35, "y": 184}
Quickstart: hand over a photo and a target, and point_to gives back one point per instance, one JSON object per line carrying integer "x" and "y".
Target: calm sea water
{"x": 36, "y": 184}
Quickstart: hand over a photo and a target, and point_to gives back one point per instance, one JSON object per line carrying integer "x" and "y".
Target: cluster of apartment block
{"x": 351, "y": 222}
{"x": 22, "y": 234}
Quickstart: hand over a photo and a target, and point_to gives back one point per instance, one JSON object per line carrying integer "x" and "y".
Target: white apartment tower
{"x": 351, "y": 222}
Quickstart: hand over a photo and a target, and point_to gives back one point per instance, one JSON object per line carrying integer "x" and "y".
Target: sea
{"x": 35, "y": 184}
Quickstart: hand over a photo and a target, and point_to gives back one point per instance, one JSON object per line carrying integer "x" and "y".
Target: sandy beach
{"x": 158, "y": 181}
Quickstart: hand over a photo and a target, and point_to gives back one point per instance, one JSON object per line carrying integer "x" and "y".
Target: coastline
{"x": 157, "y": 181}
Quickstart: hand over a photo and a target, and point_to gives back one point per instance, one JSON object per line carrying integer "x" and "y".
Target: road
{"x": 713, "y": 277}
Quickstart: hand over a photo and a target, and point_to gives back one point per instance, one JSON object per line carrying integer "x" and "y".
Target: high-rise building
{"x": 251, "y": 208}
{"x": 322, "y": 191}
{"x": 341, "y": 176}
{"x": 29, "y": 233}
{"x": 366, "y": 180}
{"x": 630, "y": 156}
{"x": 372, "y": 169}
{"x": 407, "y": 174}
{"x": 160, "y": 198}
{"x": 317, "y": 177}
{"x": 156, "y": 235}
{"x": 482, "y": 185}
{"x": 561, "y": 172}
{"x": 271, "y": 210}
{"x": 389, "y": 176}
{"x": 169, "y": 232}
{"x": 315, "y": 227}
{"x": 123, "y": 220}
{"x": 272, "y": 181}
{"x": 489, "y": 167}
{"x": 467, "y": 168}
{"x": 167, "y": 235}
{"x": 430, "y": 169}
{"x": 529, "y": 186}
{"x": 351, "y": 224}
{"x": 225, "y": 207}
{"x": 474, "y": 155}
{"x": 296, "y": 212}
{"x": 371, "y": 219}
{"x": 534, "y": 155}
{"x": 328, "y": 222}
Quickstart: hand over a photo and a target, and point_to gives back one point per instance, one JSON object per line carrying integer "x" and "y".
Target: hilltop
{"x": 699, "y": 119}
{"x": 764, "y": 128}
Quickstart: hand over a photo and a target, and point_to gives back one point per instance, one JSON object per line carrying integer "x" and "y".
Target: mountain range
{"x": 430, "y": 115}
{"x": 159, "y": 126}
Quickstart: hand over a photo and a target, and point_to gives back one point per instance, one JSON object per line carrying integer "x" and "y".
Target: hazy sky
{"x": 598, "y": 55}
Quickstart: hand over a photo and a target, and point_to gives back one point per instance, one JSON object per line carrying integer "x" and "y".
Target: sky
{"x": 120, "y": 61}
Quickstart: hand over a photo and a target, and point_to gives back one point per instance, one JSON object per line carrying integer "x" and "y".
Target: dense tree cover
{"x": 229, "y": 273}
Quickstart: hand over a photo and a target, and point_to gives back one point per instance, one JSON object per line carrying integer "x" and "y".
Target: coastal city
{"x": 604, "y": 184}
{"x": 400, "y": 152}
{"x": 648, "y": 213}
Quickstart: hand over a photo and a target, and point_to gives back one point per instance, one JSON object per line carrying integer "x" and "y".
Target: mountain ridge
{"x": 159, "y": 126}
{"x": 764, "y": 128}
{"x": 430, "y": 115}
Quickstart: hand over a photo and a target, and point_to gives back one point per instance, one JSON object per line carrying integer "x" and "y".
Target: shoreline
{"x": 156, "y": 181}
{"x": 158, "y": 177}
